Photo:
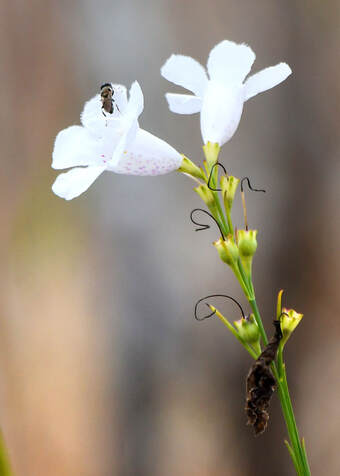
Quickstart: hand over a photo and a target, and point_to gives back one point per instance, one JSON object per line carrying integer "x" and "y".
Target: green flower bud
{"x": 289, "y": 320}
{"x": 248, "y": 330}
{"x": 253, "y": 350}
{"x": 247, "y": 245}
{"x": 229, "y": 186}
{"x": 247, "y": 242}
{"x": 188, "y": 167}
{"x": 211, "y": 151}
{"x": 208, "y": 198}
{"x": 227, "y": 249}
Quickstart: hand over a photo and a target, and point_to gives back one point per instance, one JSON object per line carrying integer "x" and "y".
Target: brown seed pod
{"x": 261, "y": 384}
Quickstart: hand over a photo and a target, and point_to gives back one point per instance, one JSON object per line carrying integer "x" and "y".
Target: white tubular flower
{"x": 220, "y": 97}
{"x": 112, "y": 142}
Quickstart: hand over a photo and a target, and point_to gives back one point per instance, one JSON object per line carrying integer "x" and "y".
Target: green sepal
{"x": 188, "y": 167}
{"x": 211, "y": 151}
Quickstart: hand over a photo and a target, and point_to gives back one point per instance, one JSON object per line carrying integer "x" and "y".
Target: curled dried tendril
{"x": 217, "y": 164}
{"x": 204, "y": 226}
{"x": 250, "y": 186}
{"x": 213, "y": 312}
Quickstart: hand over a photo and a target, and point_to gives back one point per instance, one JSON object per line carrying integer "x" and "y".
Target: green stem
{"x": 258, "y": 319}
{"x": 240, "y": 279}
{"x": 300, "y": 444}
{"x": 289, "y": 419}
{"x": 249, "y": 294}
{"x": 5, "y": 469}
{"x": 230, "y": 223}
{"x": 287, "y": 409}
{"x": 225, "y": 227}
{"x": 292, "y": 455}
{"x": 214, "y": 177}
{"x": 280, "y": 359}
{"x": 296, "y": 447}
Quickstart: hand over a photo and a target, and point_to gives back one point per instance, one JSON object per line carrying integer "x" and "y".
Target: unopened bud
{"x": 248, "y": 329}
{"x": 188, "y": 167}
{"x": 229, "y": 186}
{"x": 227, "y": 249}
{"x": 247, "y": 245}
{"x": 208, "y": 198}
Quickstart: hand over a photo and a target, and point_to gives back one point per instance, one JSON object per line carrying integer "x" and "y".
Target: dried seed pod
{"x": 261, "y": 384}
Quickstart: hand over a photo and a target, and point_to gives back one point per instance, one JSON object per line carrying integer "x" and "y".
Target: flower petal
{"x": 92, "y": 116}
{"x": 221, "y": 112}
{"x": 120, "y": 98}
{"x": 135, "y": 105}
{"x": 73, "y": 183}
{"x": 147, "y": 155}
{"x": 74, "y": 146}
{"x": 186, "y": 72}
{"x": 126, "y": 139}
{"x": 183, "y": 103}
{"x": 124, "y": 129}
{"x": 266, "y": 79}
{"x": 229, "y": 62}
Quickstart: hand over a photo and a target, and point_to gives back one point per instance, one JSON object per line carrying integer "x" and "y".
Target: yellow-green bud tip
{"x": 248, "y": 329}
{"x": 229, "y": 186}
{"x": 247, "y": 242}
{"x": 208, "y": 198}
{"x": 188, "y": 167}
{"x": 227, "y": 250}
{"x": 289, "y": 321}
{"x": 211, "y": 151}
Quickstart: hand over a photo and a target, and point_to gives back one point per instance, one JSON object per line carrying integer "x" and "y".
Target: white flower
{"x": 112, "y": 142}
{"x": 220, "y": 97}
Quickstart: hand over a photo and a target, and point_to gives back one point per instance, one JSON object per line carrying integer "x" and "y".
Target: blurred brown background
{"x": 103, "y": 370}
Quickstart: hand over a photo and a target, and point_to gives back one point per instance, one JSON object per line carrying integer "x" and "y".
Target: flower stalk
{"x": 237, "y": 251}
{"x": 5, "y": 468}
{"x": 110, "y": 139}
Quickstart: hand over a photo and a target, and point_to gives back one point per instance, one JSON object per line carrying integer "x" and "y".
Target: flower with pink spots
{"x": 109, "y": 142}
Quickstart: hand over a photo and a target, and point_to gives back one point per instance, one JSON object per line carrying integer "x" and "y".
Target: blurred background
{"x": 103, "y": 370}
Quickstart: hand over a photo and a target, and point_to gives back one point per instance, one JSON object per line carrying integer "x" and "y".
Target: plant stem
{"x": 5, "y": 469}
{"x": 300, "y": 444}
{"x": 249, "y": 294}
{"x": 296, "y": 447}
{"x": 258, "y": 319}
{"x": 225, "y": 227}
{"x": 300, "y": 457}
